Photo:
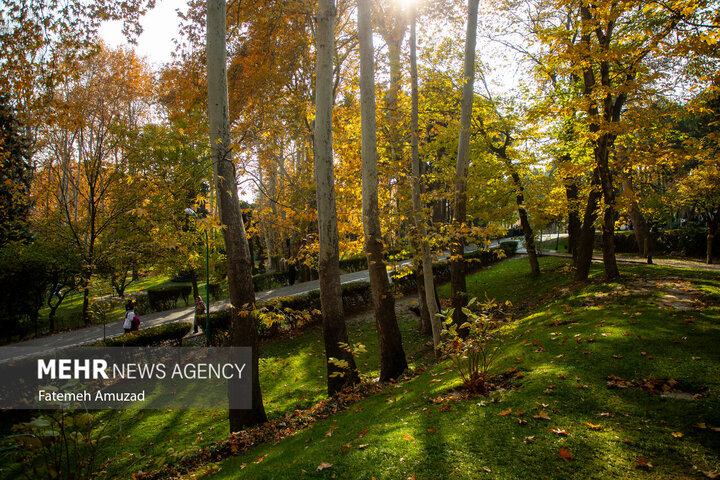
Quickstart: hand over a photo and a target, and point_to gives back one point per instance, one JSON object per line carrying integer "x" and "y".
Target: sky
{"x": 160, "y": 26}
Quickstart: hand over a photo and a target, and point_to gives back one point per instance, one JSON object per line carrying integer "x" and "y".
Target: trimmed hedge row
{"x": 289, "y": 313}
{"x": 405, "y": 281}
{"x": 166, "y": 297}
{"x": 354, "y": 264}
{"x": 690, "y": 241}
{"x": 173, "y": 332}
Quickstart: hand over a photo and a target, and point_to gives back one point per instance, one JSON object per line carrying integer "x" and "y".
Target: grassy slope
{"x": 292, "y": 373}
{"x": 410, "y": 437}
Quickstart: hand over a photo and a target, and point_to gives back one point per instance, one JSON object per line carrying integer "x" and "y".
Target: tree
{"x": 392, "y": 355}
{"x": 427, "y": 293}
{"x": 341, "y": 368}
{"x": 15, "y": 177}
{"x": 701, "y": 190}
{"x": 243, "y": 329}
{"x": 457, "y": 249}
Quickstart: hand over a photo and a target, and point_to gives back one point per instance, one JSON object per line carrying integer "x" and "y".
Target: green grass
{"x": 564, "y": 376}
{"x": 511, "y": 280}
{"x": 292, "y": 373}
{"x": 574, "y": 337}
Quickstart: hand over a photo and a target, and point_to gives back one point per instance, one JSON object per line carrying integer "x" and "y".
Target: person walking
{"x": 129, "y": 317}
{"x": 199, "y": 311}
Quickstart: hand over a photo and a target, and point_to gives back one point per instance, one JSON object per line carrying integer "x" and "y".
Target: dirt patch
{"x": 675, "y": 293}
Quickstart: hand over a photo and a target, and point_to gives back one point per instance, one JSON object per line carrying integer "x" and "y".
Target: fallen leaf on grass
{"x": 408, "y": 437}
{"x": 445, "y": 407}
{"x": 559, "y": 431}
{"x": 542, "y": 415}
{"x": 677, "y": 434}
{"x": 641, "y": 462}
{"x": 527, "y": 440}
{"x": 710, "y": 475}
{"x": 592, "y": 426}
{"x": 362, "y": 434}
{"x": 432, "y": 430}
{"x": 363, "y": 446}
{"x": 323, "y": 466}
{"x": 565, "y": 454}
{"x": 505, "y": 412}
{"x": 487, "y": 469}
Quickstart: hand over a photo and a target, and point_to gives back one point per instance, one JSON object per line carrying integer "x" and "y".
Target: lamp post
{"x": 190, "y": 211}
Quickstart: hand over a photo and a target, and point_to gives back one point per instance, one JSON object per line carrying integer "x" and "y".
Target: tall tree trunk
{"x": 587, "y": 232}
{"x": 334, "y": 329}
{"x": 640, "y": 226}
{"x": 574, "y": 223}
{"x": 609, "y": 262}
{"x": 392, "y": 355}
{"x": 239, "y": 266}
{"x": 426, "y": 284}
{"x": 457, "y": 248}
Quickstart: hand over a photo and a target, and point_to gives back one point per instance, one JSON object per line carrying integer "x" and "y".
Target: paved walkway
{"x": 663, "y": 262}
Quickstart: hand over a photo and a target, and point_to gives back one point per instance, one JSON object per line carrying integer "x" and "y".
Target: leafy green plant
{"x": 343, "y": 365}
{"x": 59, "y": 445}
{"x": 474, "y": 345}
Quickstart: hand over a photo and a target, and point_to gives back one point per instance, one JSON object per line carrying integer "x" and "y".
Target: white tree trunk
{"x": 426, "y": 256}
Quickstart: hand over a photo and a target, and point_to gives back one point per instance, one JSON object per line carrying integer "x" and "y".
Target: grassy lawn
{"x": 292, "y": 373}
{"x": 636, "y": 329}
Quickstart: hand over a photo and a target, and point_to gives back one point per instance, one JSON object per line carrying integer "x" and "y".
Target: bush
{"x": 166, "y": 297}
{"x": 141, "y": 302}
{"x": 151, "y": 336}
{"x": 354, "y": 264}
{"x": 405, "y": 279}
{"x": 474, "y": 345}
{"x": 509, "y": 247}
{"x": 268, "y": 281}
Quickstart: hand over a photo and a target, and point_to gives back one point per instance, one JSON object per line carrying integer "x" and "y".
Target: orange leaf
{"x": 592, "y": 426}
{"x": 362, "y": 434}
{"x": 432, "y": 430}
{"x": 505, "y": 412}
{"x": 559, "y": 431}
{"x": 542, "y": 415}
{"x": 408, "y": 437}
{"x": 565, "y": 454}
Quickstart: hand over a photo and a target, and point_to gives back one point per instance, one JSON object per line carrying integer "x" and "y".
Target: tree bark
{"x": 609, "y": 262}
{"x": 392, "y": 355}
{"x": 239, "y": 265}
{"x": 574, "y": 223}
{"x": 426, "y": 282}
{"x": 640, "y": 226}
{"x": 587, "y": 232}
{"x": 334, "y": 328}
{"x": 457, "y": 247}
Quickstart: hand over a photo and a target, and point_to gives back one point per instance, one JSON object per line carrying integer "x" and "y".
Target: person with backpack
{"x": 129, "y": 317}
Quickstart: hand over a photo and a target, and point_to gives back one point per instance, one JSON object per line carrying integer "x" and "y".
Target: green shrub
{"x": 354, "y": 264}
{"x": 509, "y": 247}
{"x": 142, "y": 303}
{"x": 151, "y": 336}
{"x": 165, "y": 297}
{"x": 269, "y": 281}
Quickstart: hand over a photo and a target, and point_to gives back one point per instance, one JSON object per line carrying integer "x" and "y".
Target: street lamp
{"x": 190, "y": 211}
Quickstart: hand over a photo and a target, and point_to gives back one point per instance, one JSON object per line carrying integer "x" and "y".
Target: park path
{"x": 663, "y": 262}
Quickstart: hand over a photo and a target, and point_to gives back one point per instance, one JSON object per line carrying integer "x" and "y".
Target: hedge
{"x": 289, "y": 313}
{"x": 354, "y": 264}
{"x": 690, "y": 241}
{"x": 151, "y": 336}
{"x": 166, "y": 297}
{"x": 268, "y": 281}
{"x": 405, "y": 280}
